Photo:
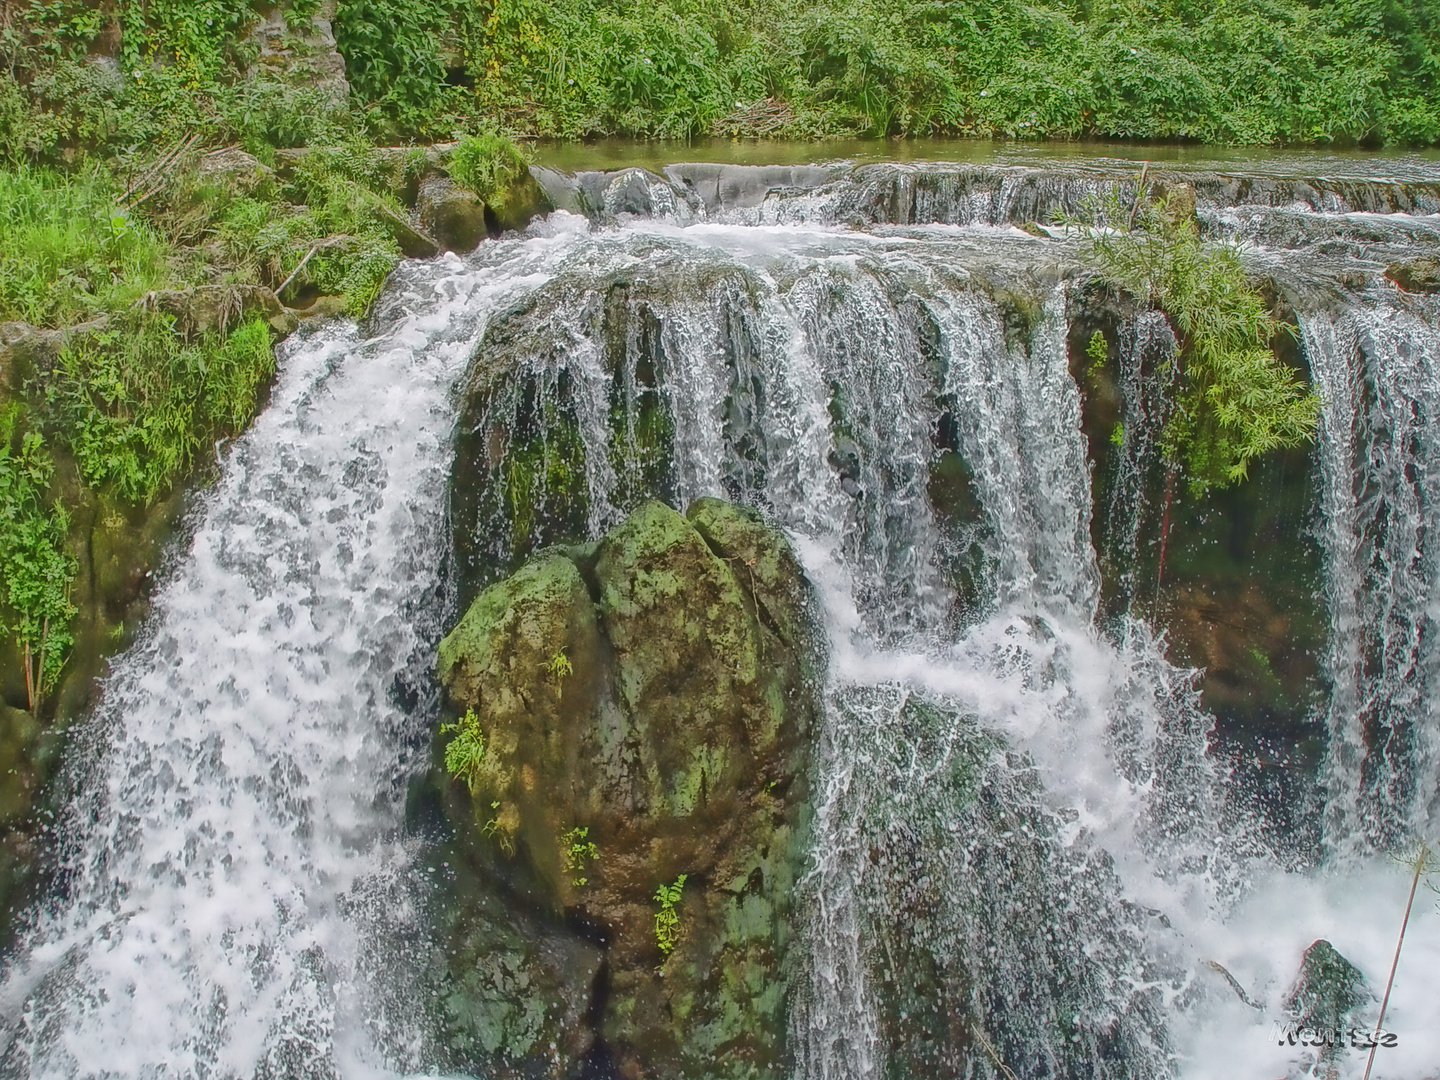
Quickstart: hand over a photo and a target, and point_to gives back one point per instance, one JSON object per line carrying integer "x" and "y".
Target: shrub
{"x": 1236, "y": 400}
{"x": 35, "y": 568}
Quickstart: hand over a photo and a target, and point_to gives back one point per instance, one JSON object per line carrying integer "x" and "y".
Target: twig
{"x": 313, "y": 248}
{"x": 980, "y": 1034}
{"x": 1139, "y": 194}
{"x": 1235, "y": 985}
{"x": 1390, "y": 982}
{"x": 156, "y": 171}
{"x": 1165, "y": 529}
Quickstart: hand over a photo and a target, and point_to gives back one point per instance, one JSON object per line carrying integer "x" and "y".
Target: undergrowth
{"x": 136, "y": 403}
{"x": 68, "y": 250}
{"x": 36, "y": 569}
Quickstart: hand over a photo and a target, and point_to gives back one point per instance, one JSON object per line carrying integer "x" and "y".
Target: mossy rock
{"x": 676, "y": 733}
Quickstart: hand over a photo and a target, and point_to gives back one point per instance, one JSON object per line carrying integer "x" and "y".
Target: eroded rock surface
{"x": 653, "y": 690}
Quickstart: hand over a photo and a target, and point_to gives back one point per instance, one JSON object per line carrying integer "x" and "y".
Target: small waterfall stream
{"x": 1024, "y": 851}
{"x": 233, "y": 873}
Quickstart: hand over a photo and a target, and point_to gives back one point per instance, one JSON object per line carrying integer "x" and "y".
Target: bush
{"x": 137, "y": 402}
{"x": 1236, "y": 400}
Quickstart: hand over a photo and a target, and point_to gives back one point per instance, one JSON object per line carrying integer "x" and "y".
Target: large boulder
{"x": 453, "y": 216}
{"x": 646, "y": 706}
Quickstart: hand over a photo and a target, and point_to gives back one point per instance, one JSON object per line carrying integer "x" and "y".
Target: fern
{"x": 1235, "y": 399}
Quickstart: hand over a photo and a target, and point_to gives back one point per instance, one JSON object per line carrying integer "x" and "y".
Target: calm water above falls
{"x": 238, "y": 897}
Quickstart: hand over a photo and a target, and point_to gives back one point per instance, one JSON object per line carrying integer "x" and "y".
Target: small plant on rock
{"x": 465, "y": 752}
{"x": 667, "y": 920}
{"x": 557, "y": 669}
{"x": 579, "y": 852}
{"x": 1234, "y": 398}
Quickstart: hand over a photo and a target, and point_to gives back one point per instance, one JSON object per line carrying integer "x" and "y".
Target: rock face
{"x": 650, "y": 696}
{"x": 1416, "y": 275}
{"x": 304, "y": 54}
{"x": 1326, "y": 995}
{"x": 453, "y": 216}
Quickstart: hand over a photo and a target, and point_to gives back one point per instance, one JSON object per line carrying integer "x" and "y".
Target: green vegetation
{"x": 35, "y": 568}
{"x": 69, "y": 249}
{"x": 137, "y": 402}
{"x": 465, "y": 752}
{"x": 578, "y": 853}
{"x": 557, "y": 669}
{"x": 488, "y": 165}
{"x": 1282, "y": 70}
{"x": 667, "y": 920}
{"x": 1264, "y": 72}
{"x": 1235, "y": 399}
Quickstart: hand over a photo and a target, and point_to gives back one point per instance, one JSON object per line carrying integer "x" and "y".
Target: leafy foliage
{"x": 1236, "y": 399}
{"x": 35, "y": 568}
{"x": 465, "y": 752}
{"x": 137, "y": 402}
{"x": 578, "y": 852}
{"x": 667, "y": 919}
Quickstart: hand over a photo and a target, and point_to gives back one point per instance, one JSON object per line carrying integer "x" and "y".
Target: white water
{"x": 233, "y": 875}
{"x": 1037, "y": 789}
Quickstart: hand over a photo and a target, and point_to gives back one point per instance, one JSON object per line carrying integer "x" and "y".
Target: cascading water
{"x": 233, "y": 875}
{"x": 1378, "y": 367}
{"x": 1023, "y": 857}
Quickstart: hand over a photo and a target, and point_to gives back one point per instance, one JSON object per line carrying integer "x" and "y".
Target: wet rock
{"x": 1416, "y": 275}
{"x": 26, "y": 349}
{"x": 652, "y": 691}
{"x": 725, "y": 187}
{"x": 516, "y": 997}
{"x": 234, "y": 168}
{"x": 209, "y": 308}
{"x": 520, "y": 203}
{"x": 1326, "y": 995}
{"x": 453, "y": 216}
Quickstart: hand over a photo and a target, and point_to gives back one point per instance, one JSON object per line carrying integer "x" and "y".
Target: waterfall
{"x": 1024, "y": 855}
{"x": 234, "y": 895}
{"x": 1378, "y": 368}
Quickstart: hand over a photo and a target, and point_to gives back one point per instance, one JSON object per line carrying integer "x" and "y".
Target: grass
{"x": 487, "y": 164}
{"x": 68, "y": 250}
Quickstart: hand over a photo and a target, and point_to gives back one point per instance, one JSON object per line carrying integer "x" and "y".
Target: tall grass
{"x": 67, "y": 249}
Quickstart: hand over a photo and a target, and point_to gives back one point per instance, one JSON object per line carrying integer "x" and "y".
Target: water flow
{"x": 1378, "y": 368}
{"x": 234, "y": 899}
{"x": 998, "y": 785}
